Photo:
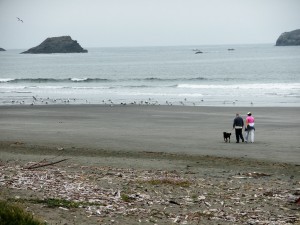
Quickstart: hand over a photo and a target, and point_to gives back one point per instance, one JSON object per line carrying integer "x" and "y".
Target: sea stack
{"x": 289, "y": 38}
{"x": 2, "y": 50}
{"x": 63, "y": 44}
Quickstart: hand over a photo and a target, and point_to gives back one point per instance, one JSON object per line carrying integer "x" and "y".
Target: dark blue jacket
{"x": 238, "y": 121}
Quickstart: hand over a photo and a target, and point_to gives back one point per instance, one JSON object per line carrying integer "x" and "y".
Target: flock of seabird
{"x": 45, "y": 101}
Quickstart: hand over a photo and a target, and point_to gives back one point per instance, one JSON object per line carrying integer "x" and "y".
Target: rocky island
{"x": 289, "y": 38}
{"x": 63, "y": 44}
{"x": 2, "y": 49}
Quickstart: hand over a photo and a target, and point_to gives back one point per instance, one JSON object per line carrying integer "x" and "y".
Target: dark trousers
{"x": 239, "y": 134}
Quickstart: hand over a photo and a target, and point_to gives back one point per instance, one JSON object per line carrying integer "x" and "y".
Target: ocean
{"x": 235, "y": 75}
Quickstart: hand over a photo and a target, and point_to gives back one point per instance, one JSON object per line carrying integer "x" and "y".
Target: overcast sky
{"x": 106, "y": 23}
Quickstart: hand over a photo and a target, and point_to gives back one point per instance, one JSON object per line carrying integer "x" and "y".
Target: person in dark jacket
{"x": 238, "y": 124}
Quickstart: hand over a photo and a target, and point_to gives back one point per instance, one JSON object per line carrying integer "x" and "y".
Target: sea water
{"x": 240, "y": 75}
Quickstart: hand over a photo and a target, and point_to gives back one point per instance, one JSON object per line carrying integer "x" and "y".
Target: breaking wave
{"x": 50, "y": 80}
{"x": 91, "y": 80}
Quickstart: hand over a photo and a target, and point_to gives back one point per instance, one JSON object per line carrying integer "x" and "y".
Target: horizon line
{"x": 159, "y": 46}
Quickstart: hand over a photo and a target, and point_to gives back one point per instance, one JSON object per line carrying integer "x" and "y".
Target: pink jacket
{"x": 250, "y": 121}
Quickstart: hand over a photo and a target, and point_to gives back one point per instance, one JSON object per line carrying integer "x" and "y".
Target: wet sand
{"x": 169, "y": 129}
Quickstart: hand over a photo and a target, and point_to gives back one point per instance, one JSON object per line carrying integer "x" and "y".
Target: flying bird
{"x": 19, "y": 19}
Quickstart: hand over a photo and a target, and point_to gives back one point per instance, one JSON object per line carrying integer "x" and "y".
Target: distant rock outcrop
{"x": 289, "y": 38}
{"x": 63, "y": 44}
{"x": 2, "y": 49}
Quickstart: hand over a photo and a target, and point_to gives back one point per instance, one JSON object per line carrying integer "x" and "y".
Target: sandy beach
{"x": 124, "y": 143}
{"x": 170, "y": 129}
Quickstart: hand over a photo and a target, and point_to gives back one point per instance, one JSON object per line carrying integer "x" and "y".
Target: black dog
{"x": 226, "y": 136}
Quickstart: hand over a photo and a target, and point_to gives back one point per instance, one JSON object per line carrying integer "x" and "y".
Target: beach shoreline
{"x": 170, "y": 129}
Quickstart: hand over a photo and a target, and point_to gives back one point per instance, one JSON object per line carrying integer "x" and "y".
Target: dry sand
{"x": 127, "y": 144}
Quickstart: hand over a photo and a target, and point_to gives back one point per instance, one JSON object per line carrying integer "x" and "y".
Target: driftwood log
{"x": 38, "y": 165}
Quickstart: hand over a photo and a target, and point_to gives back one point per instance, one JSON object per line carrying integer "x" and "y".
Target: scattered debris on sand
{"x": 156, "y": 196}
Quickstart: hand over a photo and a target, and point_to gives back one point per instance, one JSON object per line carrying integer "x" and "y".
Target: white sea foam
{"x": 78, "y": 79}
{"x": 5, "y": 80}
{"x": 261, "y": 86}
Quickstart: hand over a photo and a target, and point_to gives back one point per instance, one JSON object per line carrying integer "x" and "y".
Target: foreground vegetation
{"x": 13, "y": 214}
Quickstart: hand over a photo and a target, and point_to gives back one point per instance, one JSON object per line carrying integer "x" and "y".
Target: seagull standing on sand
{"x": 19, "y": 19}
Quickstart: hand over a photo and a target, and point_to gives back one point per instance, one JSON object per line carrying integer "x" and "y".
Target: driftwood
{"x": 213, "y": 198}
{"x": 38, "y": 165}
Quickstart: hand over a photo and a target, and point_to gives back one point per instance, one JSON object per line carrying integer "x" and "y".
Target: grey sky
{"x": 105, "y": 23}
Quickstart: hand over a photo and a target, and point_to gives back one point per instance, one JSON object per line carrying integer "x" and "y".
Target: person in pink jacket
{"x": 249, "y": 128}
